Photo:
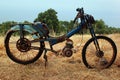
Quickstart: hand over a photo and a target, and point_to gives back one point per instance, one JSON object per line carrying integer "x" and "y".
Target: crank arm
{"x": 35, "y": 47}
{"x": 38, "y": 40}
{"x": 35, "y": 40}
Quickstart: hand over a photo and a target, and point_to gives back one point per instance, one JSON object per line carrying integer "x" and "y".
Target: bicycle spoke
{"x": 99, "y": 59}
{"x": 22, "y": 51}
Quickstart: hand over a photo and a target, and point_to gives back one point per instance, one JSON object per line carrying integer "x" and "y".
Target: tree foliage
{"x": 101, "y": 28}
{"x": 50, "y": 18}
{"x": 5, "y": 26}
{"x": 54, "y": 25}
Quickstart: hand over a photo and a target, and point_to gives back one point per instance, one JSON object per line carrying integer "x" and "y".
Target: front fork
{"x": 99, "y": 52}
{"x": 95, "y": 39}
{"x": 21, "y": 31}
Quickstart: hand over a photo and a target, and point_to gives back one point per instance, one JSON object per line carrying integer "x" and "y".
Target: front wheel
{"x": 22, "y": 51}
{"x": 102, "y": 58}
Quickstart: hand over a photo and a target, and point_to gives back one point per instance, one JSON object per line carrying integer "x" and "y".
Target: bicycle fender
{"x": 29, "y": 29}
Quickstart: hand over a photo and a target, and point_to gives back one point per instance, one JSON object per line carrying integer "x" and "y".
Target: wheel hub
{"x": 99, "y": 54}
{"x": 23, "y": 45}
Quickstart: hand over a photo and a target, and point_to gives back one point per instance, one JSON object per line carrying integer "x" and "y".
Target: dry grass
{"x": 59, "y": 68}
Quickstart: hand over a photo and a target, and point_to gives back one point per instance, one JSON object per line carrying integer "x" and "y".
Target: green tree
{"x": 26, "y": 22}
{"x": 66, "y": 26}
{"x": 50, "y": 18}
{"x": 5, "y": 26}
{"x": 100, "y": 26}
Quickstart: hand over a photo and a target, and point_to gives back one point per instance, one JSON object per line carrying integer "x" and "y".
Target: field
{"x": 59, "y": 68}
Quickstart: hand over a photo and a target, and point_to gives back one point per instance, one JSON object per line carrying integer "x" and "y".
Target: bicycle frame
{"x": 52, "y": 40}
{"x": 68, "y": 35}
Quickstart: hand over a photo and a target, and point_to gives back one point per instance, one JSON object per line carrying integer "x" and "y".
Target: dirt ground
{"x": 58, "y": 68}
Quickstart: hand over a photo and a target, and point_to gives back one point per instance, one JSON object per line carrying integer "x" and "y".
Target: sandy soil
{"x": 58, "y": 68}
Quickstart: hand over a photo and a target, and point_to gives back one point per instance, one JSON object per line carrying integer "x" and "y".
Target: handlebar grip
{"x": 80, "y": 10}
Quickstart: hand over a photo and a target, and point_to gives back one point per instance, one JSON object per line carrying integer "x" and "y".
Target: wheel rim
{"x": 93, "y": 58}
{"x": 21, "y": 52}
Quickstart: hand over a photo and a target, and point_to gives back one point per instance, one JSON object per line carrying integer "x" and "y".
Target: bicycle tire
{"x": 16, "y": 59}
{"x": 88, "y": 61}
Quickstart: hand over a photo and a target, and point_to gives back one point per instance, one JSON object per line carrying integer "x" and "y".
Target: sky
{"x": 28, "y": 10}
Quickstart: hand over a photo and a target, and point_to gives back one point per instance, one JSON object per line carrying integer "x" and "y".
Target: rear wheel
{"x": 103, "y": 58}
{"x": 22, "y": 50}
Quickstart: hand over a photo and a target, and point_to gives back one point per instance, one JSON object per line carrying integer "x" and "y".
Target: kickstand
{"x": 45, "y": 57}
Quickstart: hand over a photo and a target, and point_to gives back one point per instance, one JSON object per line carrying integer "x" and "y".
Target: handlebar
{"x": 80, "y": 10}
{"x": 80, "y": 13}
